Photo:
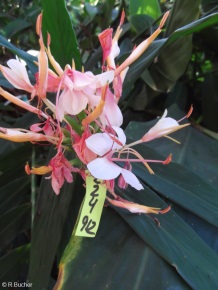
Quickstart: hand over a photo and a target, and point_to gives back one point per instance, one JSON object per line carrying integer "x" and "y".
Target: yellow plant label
{"x": 92, "y": 208}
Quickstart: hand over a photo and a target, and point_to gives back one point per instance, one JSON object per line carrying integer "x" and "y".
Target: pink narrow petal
{"x": 55, "y": 184}
{"x": 104, "y": 169}
{"x": 131, "y": 179}
{"x": 99, "y": 143}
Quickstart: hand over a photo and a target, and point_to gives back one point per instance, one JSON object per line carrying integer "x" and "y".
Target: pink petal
{"x": 163, "y": 127}
{"x": 131, "y": 179}
{"x": 17, "y": 76}
{"x": 19, "y": 69}
{"x": 73, "y": 102}
{"x": 55, "y": 184}
{"x": 104, "y": 169}
{"x": 99, "y": 143}
{"x": 81, "y": 80}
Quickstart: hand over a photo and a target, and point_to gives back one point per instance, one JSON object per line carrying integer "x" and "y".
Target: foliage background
{"x": 129, "y": 251}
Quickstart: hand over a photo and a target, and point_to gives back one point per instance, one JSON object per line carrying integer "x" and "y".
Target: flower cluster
{"x": 84, "y": 117}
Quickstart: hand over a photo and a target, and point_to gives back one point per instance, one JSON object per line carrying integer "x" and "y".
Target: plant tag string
{"x": 92, "y": 208}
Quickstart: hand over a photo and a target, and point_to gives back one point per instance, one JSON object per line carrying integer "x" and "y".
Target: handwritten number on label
{"x": 93, "y": 194}
{"x": 88, "y": 225}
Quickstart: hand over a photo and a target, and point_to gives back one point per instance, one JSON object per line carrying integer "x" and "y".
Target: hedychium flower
{"x": 60, "y": 169}
{"x": 110, "y": 148}
{"x": 135, "y": 207}
{"x": 22, "y": 135}
{"x": 17, "y": 75}
{"x": 84, "y": 118}
{"x": 164, "y": 127}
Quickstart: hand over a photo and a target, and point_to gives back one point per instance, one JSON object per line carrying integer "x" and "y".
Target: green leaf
{"x": 49, "y": 229}
{"x": 197, "y": 152}
{"x": 12, "y": 265}
{"x": 149, "y": 7}
{"x": 14, "y": 193}
{"x": 116, "y": 246}
{"x": 13, "y": 223}
{"x": 174, "y": 58}
{"x": 12, "y": 164}
{"x": 20, "y": 53}
{"x": 175, "y": 242}
{"x": 140, "y": 22}
{"x": 57, "y": 23}
{"x": 180, "y": 185}
{"x": 15, "y": 26}
{"x": 155, "y": 48}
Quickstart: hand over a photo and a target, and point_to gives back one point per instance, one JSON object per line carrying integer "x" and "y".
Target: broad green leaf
{"x": 29, "y": 59}
{"x": 14, "y": 222}
{"x": 209, "y": 102}
{"x": 174, "y": 58}
{"x": 56, "y": 22}
{"x": 175, "y": 242}
{"x": 13, "y": 264}
{"x": 155, "y": 48}
{"x": 149, "y": 7}
{"x": 15, "y": 26}
{"x": 197, "y": 151}
{"x": 49, "y": 228}
{"x": 180, "y": 185}
{"x": 12, "y": 164}
{"x": 140, "y": 22}
{"x": 14, "y": 193}
{"x": 119, "y": 248}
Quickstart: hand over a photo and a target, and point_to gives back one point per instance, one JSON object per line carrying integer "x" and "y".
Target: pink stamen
{"x": 137, "y": 160}
{"x": 187, "y": 115}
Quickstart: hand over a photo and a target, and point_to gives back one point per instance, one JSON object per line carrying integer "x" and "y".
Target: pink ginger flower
{"x": 165, "y": 126}
{"x": 137, "y": 208}
{"x": 48, "y": 127}
{"x": 17, "y": 75}
{"x": 138, "y": 51}
{"x": 103, "y": 167}
{"x": 79, "y": 90}
{"x": 21, "y": 135}
{"x": 60, "y": 169}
